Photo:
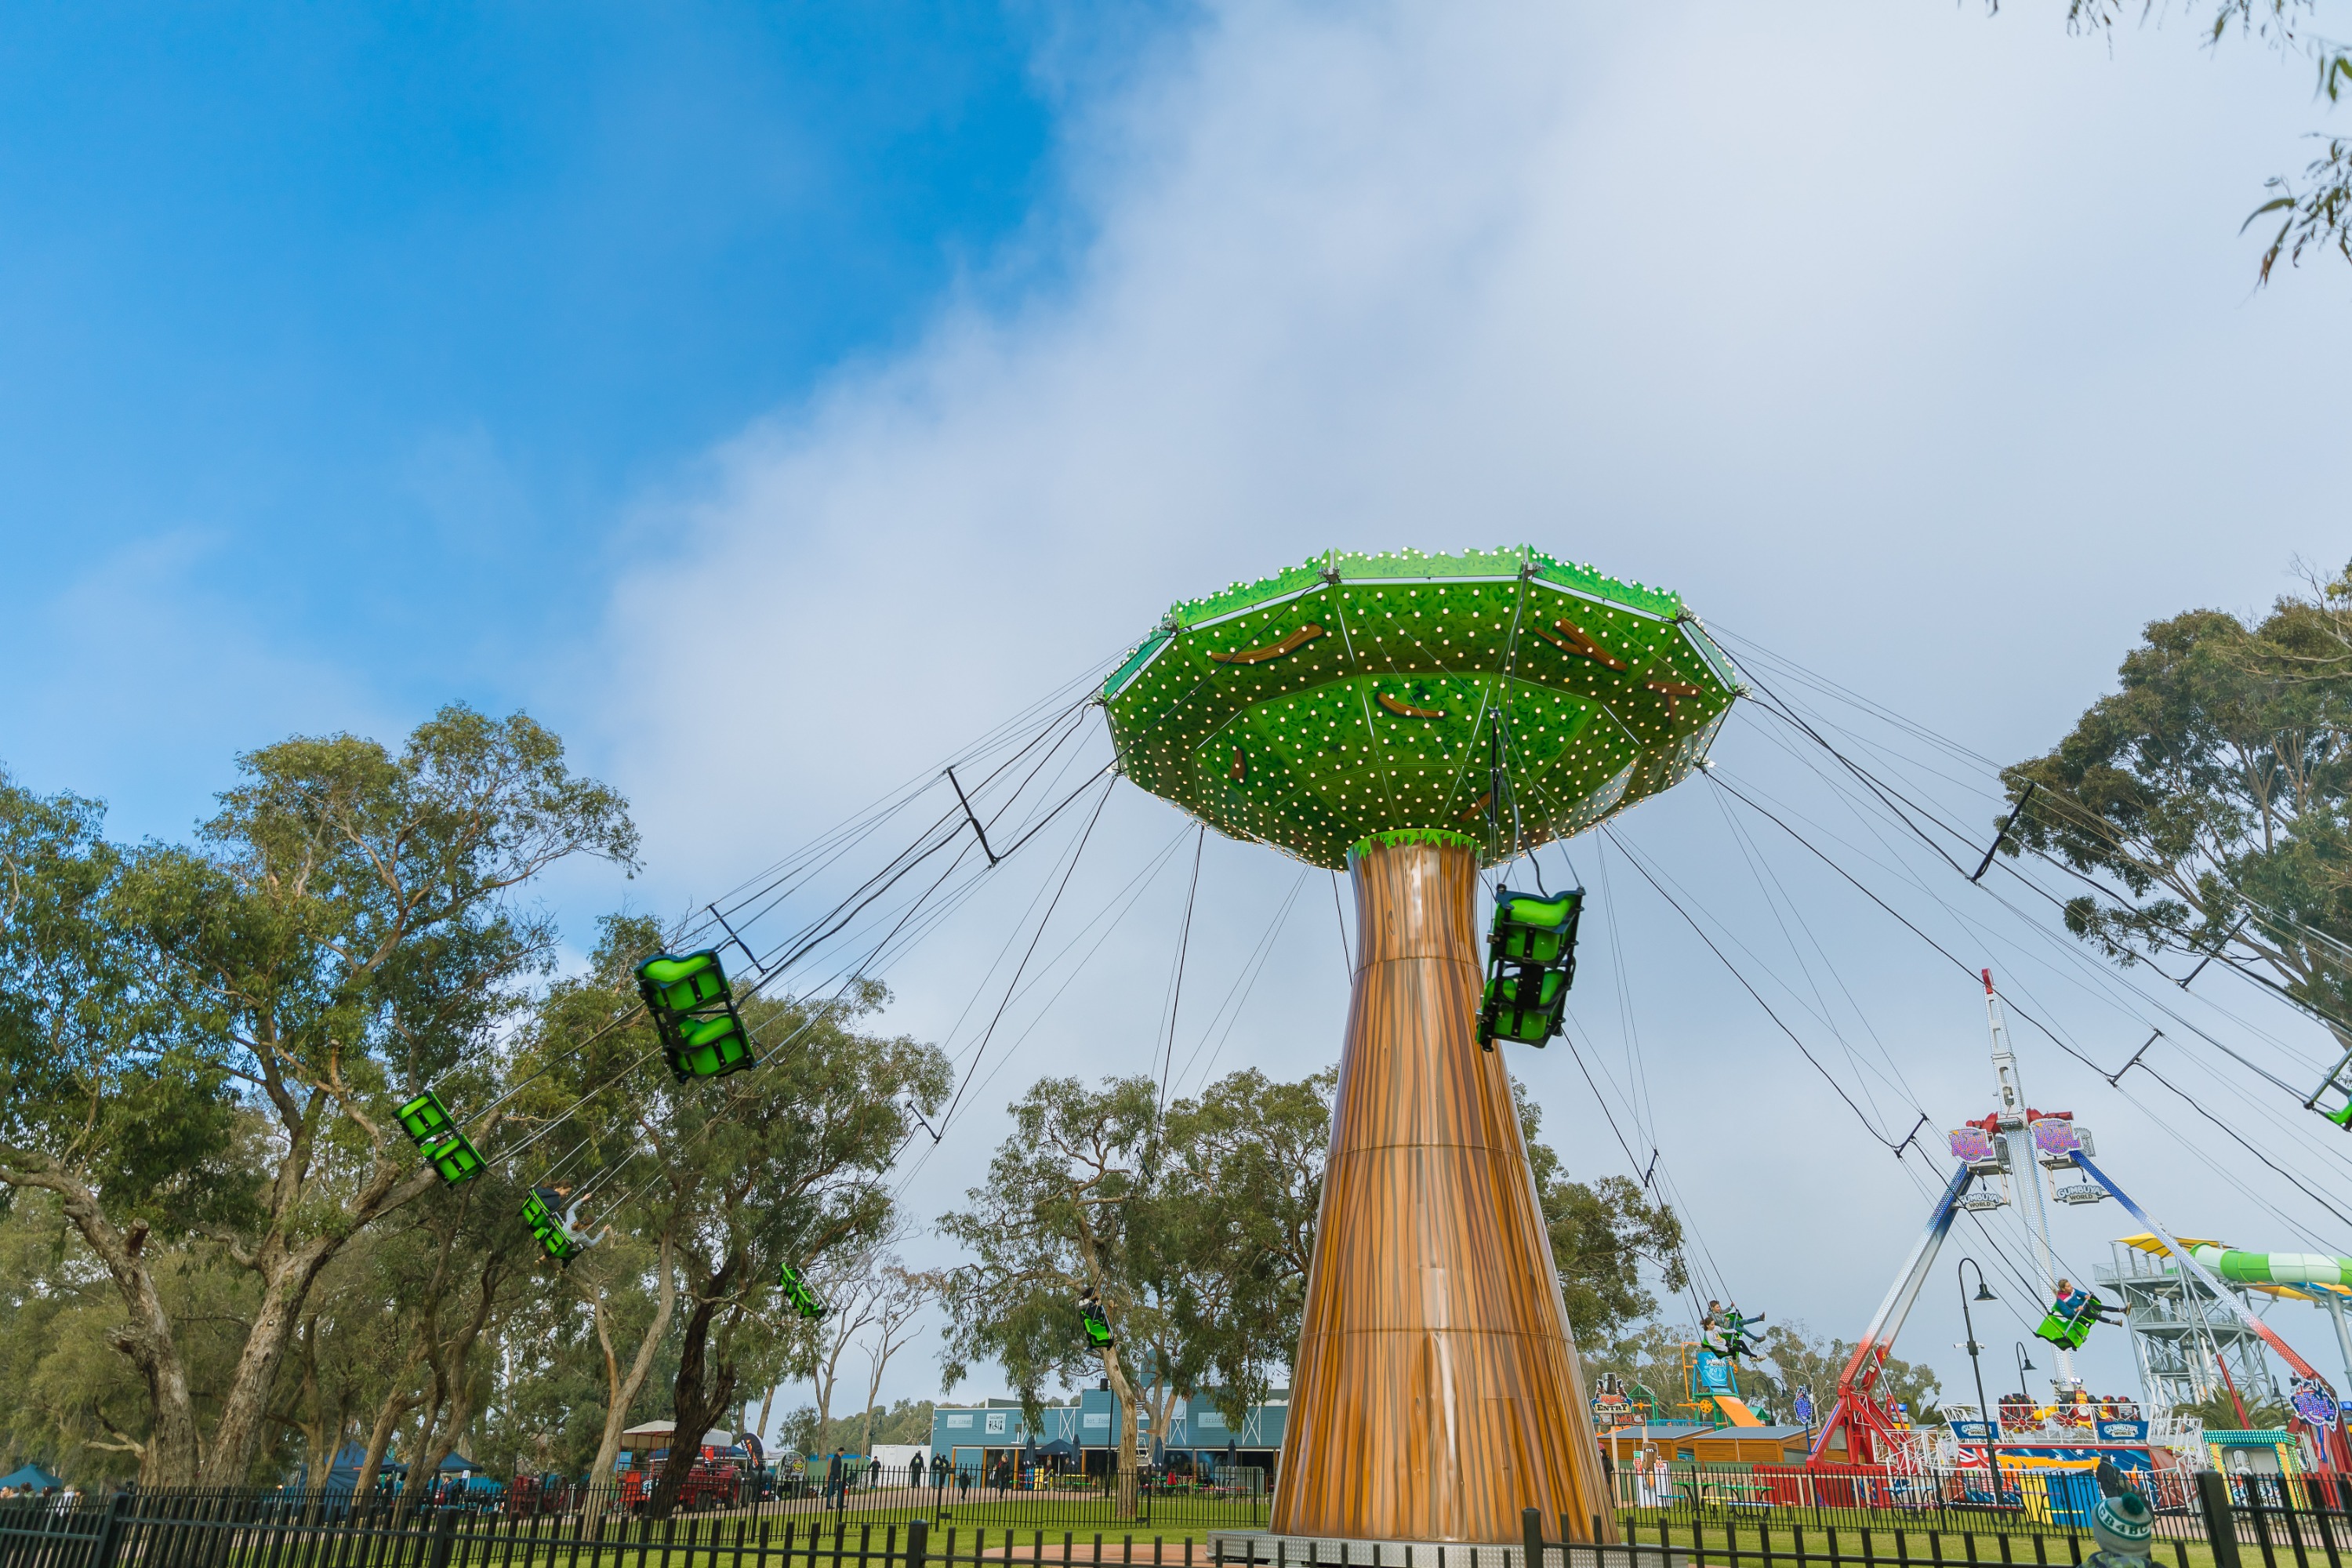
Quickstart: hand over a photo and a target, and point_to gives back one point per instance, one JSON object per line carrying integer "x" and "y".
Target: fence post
{"x": 110, "y": 1533}
{"x": 444, "y": 1537}
{"x": 1532, "y": 1537}
{"x": 2220, "y": 1520}
{"x": 918, "y": 1540}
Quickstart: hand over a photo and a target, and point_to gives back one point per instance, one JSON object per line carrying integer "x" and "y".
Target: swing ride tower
{"x": 1413, "y": 719}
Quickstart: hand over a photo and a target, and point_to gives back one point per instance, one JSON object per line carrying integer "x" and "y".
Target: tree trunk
{"x": 767, "y": 1406}
{"x": 621, "y": 1388}
{"x": 171, "y": 1453}
{"x": 699, "y": 1396}
{"x": 388, "y": 1417}
{"x": 243, "y": 1419}
{"x": 1123, "y": 1455}
{"x": 1437, "y": 1391}
{"x": 453, "y": 1384}
{"x": 287, "y": 1275}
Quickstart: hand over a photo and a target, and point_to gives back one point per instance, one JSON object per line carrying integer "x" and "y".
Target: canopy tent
{"x": 32, "y": 1476}
{"x": 456, "y": 1463}
{"x": 1059, "y": 1446}
{"x": 658, "y": 1432}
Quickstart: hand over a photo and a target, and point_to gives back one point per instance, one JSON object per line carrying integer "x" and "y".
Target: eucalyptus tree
{"x": 112, "y": 1102}
{"x": 2206, "y": 804}
{"x": 786, "y": 1165}
{"x": 2313, "y": 213}
{"x": 343, "y": 931}
{"x": 1245, "y": 1162}
{"x": 1066, "y": 1207}
{"x": 1194, "y": 1227}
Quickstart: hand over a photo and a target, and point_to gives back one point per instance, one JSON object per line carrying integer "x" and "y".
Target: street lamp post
{"x": 1975, "y": 1366}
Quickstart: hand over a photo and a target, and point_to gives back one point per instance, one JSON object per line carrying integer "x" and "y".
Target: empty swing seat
{"x": 1524, "y": 1006}
{"x": 428, "y": 1125}
{"x": 1530, "y": 965}
{"x": 1530, "y": 929}
{"x": 693, "y": 1010}
{"x": 540, "y": 1212}
{"x": 802, "y": 1300}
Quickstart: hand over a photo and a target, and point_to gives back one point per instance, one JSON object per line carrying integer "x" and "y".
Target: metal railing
{"x": 2225, "y": 1521}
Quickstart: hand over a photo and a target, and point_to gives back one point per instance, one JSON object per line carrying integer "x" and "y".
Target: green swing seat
{"x": 802, "y": 1300}
{"x": 539, "y": 1212}
{"x": 1098, "y": 1326}
{"x": 428, "y": 1125}
{"x": 2069, "y": 1332}
{"x": 1530, "y": 965}
{"x": 1524, "y": 1006}
{"x": 1528, "y": 929}
{"x": 693, "y": 1010}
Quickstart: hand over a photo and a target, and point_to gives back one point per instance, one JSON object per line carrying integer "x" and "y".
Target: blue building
{"x": 975, "y": 1436}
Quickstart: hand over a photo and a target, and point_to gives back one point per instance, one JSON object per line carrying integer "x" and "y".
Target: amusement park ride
{"x": 2016, "y": 1145}
{"x": 1414, "y": 718}
{"x": 1418, "y": 721}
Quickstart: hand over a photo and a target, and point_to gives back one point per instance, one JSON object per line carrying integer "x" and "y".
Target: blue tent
{"x": 456, "y": 1462}
{"x": 31, "y": 1476}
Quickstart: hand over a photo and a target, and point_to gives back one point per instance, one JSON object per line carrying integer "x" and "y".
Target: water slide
{"x": 2262, "y": 1267}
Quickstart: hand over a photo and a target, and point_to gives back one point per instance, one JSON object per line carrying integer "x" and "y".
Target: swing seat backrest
{"x": 455, "y": 1158}
{"x": 803, "y": 1299}
{"x": 710, "y": 1048}
{"x": 1527, "y": 988}
{"x": 1532, "y": 929}
{"x": 676, "y": 983}
{"x": 424, "y": 1117}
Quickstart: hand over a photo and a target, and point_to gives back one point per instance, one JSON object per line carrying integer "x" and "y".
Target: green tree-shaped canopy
{"x": 1358, "y": 695}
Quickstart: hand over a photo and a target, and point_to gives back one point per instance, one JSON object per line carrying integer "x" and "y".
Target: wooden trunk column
{"x": 1437, "y": 1391}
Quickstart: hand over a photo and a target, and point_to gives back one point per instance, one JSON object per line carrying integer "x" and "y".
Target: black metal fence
{"x": 2227, "y": 1522}
{"x": 1076, "y": 1503}
{"x": 266, "y": 1529}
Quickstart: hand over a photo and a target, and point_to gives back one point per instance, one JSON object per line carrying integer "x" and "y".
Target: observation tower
{"x": 1414, "y": 718}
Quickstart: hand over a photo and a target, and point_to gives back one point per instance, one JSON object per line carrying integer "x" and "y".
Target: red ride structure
{"x": 2008, "y": 1144}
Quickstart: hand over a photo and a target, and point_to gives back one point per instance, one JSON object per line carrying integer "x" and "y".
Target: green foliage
{"x": 907, "y": 1421}
{"x": 1064, "y": 1208}
{"x": 1793, "y": 1357}
{"x": 2212, "y": 789}
{"x": 2219, "y": 1412}
{"x": 1788, "y": 1357}
{"x": 96, "y": 1073}
{"x": 1602, "y": 1234}
{"x": 203, "y": 1045}
{"x": 1246, "y": 1163}
{"x": 2316, "y": 216}
{"x": 1202, "y": 1266}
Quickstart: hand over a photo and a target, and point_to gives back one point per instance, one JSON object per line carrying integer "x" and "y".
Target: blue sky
{"x": 354, "y": 330}
{"x": 875, "y": 369}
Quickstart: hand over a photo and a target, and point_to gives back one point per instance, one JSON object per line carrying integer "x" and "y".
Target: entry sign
{"x": 1805, "y": 1404}
{"x": 2316, "y": 1407}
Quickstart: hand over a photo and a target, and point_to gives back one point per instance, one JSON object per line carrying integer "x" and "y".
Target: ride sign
{"x": 2315, "y": 1405}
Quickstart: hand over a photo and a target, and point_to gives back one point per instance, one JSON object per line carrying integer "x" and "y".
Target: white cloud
{"x": 1918, "y": 344}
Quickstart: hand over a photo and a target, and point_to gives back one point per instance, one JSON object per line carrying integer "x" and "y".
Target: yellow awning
{"x": 2145, "y": 1242}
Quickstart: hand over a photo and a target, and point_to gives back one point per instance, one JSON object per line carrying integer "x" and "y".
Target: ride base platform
{"x": 1264, "y": 1549}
